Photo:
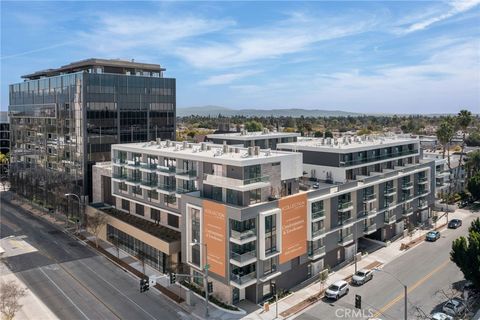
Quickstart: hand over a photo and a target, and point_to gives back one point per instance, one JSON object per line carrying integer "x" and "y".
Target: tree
{"x": 328, "y": 134}
{"x": 463, "y": 120}
{"x": 445, "y": 133}
{"x": 466, "y": 253}
{"x": 318, "y": 134}
{"x": 96, "y": 223}
{"x": 323, "y": 276}
{"x": 253, "y": 126}
{"x": 473, "y": 163}
{"x": 10, "y": 295}
{"x": 473, "y": 186}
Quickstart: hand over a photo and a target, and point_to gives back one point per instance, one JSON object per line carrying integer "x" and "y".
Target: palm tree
{"x": 445, "y": 133}
{"x": 463, "y": 120}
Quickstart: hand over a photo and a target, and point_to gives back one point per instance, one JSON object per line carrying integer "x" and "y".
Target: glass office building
{"x": 64, "y": 120}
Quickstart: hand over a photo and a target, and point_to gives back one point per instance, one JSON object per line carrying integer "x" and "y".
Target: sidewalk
{"x": 32, "y": 307}
{"x": 299, "y": 300}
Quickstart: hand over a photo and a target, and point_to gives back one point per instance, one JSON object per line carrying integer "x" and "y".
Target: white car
{"x": 362, "y": 276}
{"x": 441, "y": 316}
{"x": 454, "y": 307}
{"x": 337, "y": 290}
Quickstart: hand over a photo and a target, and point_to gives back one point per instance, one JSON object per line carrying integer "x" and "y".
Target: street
{"x": 73, "y": 280}
{"x": 425, "y": 269}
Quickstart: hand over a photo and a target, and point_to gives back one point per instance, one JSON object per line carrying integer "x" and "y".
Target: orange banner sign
{"x": 294, "y": 227}
{"x": 214, "y": 235}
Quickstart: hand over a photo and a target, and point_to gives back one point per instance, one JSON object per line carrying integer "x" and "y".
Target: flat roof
{"x": 210, "y": 153}
{"x": 95, "y": 62}
{"x": 345, "y": 144}
{"x": 257, "y": 135}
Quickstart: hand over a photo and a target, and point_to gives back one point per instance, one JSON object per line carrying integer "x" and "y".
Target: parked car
{"x": 337, "y": 290}
{"x": 432, "y": 236}
{"x": 316, "y": 185}
{"x": 362, "y": 276}
{"x": 454, "y": 223}
{"x": 470, "y": 287}
{"x": 441, "y": 316}
{"x": 454, "y": 307}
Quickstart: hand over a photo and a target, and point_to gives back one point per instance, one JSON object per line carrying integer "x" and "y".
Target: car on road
{"x": 432, "y": 236}
{"x": 316, "y": 185}
{"x": 454, "y": 307}
{"x": 454, "y": 223}
{"x": 337, "y": 290}
{"x": 362, "y": 276}
{"x": 441, "y": 316}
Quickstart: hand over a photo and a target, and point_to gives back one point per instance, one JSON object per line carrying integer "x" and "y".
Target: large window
{"x": 255, "y": 196}
{"x": 139, "y": 209}
{"x": 195, "y": 235}
{"x": 173, "y": 220}
{"x": 270, "y": 234}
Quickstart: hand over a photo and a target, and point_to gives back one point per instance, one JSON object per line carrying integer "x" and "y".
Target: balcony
{"x": 407, "y": 185}
{"x": 149, "y": 184}
{"x": 242, "y": 259}
{"x": 318, "y": 232}
{"x": 390, "y": 191}
{"x": 317, "y": 215}
{"x": 422, "y": 192}
{"x": 406, "y": 197}
{"x": 242, "y": 237}
{"x": 407, "y": 211}
{"x": 166, "y": 188}
{"x": 237, "y": 184}
{"x": 317, "y": 253}
{"x": 422, "y": 205}
{"x": 345, "y": 206}
{"x": 370, "y": 229}
{"x": 133, "y": 181}
{"x": 187, "y": 174}
{"x": 168, "y": 171}
{"x": 422, "y": 180}
{"x": 390, "y": 218}
{"x": 369, "y": 197}
{"x": 377, "y": 158}
{"x": 345, "y": 220}
{"x": 181, "y": 190}
{"x": 346, "y": 239}
{"x": 443, "y": 174}
{"x": 148, "y": 167}
{"x": 242, "y": 281}
{"x": 133, "y": 164}
{"x": 119, "y": 177}
{"x": 119, "y": 161}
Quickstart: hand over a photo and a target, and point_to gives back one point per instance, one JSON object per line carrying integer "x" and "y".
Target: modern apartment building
{"x": 264, "y": 139}
{"x": 254, "y": 214}
{"x": 63, "y": 120}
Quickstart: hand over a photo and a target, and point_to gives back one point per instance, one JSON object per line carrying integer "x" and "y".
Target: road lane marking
{"x": 410, "y": 289}
{"x": 64, "y": 294}
{"x": 121, "y": 293}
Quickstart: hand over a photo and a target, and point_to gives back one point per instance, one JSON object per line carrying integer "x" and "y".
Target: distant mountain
{"x": 214, "y": 111}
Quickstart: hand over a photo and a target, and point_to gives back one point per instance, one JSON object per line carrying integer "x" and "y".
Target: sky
{"x": 359, "y": 56}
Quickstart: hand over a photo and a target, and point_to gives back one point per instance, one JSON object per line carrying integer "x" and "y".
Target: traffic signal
{"x": 144, "y": 285}
{"x": 273, "y": 287}
{"x": 173, "y": 278}
{"x": 358, "y": 301}
{"x": 210, "y": 287}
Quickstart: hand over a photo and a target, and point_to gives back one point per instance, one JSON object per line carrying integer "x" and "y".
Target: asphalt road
{"x": 74, "y": 281}
{"x": 425, "y": 269}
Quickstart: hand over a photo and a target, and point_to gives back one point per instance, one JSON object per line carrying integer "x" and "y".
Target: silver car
{"x": 362, "y": 276}
{"x": 454, "y": 307}
{"x": 337, "y": 290}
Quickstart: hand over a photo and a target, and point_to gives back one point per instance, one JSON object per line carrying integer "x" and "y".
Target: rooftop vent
{"x": 256, "y": 150}
{"x": 250, "y": 151}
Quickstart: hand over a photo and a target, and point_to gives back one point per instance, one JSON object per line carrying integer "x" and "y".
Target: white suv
{"x": 337, "y": 290}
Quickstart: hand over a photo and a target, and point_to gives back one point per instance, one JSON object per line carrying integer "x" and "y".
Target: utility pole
{"x": 406, "y": 299}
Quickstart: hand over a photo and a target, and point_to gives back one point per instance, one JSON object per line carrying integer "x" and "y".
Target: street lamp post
{"x": 404, "y": 288}
{"x": 80, "y": 215}
{"x": 205, "y": 274}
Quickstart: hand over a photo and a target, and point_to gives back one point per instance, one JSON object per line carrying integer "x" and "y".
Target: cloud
{"x": 456, "y": 7}
{"x": 298, "y": 33}
{"x": 227, "y": 78}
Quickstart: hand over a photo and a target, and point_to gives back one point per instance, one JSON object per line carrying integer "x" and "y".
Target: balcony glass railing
{"x": 243, "y": 257}
{"x": 181, "y": 190}
{"x": 134, "y": 179}
{"x": 406, "y": 197}
{"x": 422, "y": 192}
{"x": 407, "y": 185}
{"x": 241, "y": 235}
{"x": 377, "y": 158}
{"x": 369, "y": 197}
{"x": 186, "y": 172}
{"x": 166, "y": 169}
{"x": 119, "y": 161}
{"x": 371, "y": 228}
{"x": 122, "y": 176}
{"x": 149, "y": 183}
{"x": 166, "y": 187}
{"x": 133, "y": 163}
{"x": 345, "y": 205}
{"x": 344, "y": 220}
{"x": 422, "y": 179}
{"x": 316, "y": 252}
{"x": 407, "y": 211}
{"x": 318, "y": 214}
{"x": 241, "y": 279}
{"x": 422, "y": 204}
{"x": 346, "y": 238}
{"x": 390, "y": 191}
{"x": 151, "y": 166}
{"x": 389, "y": 218}
{"x": 232, "y": 182}
{"x": 318, "y": 232}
